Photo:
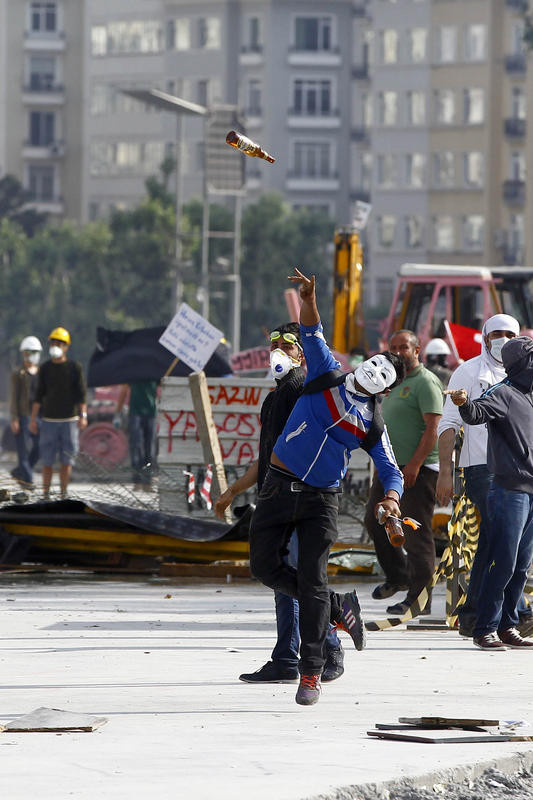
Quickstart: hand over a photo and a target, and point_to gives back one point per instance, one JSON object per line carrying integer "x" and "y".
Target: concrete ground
{"x": 160, "y": 659}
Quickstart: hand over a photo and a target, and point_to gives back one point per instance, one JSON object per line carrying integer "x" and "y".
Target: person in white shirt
{"x": 475, "y": 376}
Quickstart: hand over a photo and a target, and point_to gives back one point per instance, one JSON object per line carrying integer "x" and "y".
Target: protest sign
{"x": 191, "y": 338}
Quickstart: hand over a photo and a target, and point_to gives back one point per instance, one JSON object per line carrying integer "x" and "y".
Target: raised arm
{"x": 308, "y": 312}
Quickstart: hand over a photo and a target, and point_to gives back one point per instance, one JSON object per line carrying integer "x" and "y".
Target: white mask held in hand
{"x": 374, "y": 375}
{"x": 55, "y": 351}
{"x": 496, "y": 347}
{"x": 280, "y": 363}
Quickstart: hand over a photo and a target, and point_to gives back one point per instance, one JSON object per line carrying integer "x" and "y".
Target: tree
{"x": 13, "y": 205}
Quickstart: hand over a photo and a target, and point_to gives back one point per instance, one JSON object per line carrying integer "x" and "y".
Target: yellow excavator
{"x": 348, "y": 323}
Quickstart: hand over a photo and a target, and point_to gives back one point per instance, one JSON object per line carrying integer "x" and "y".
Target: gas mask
{"x": 280, "y": 363}
{"x": 496, "y": 347}
{"x": 374, "y": 375}
{"x": 33, "y": 358}
{"x": 55, "y": 351}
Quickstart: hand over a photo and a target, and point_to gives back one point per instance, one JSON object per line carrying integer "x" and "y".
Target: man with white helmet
{"x": 475, "y": 376}
{"x": 22, "y": 394}
{"x": 435, "y": 355}
{"x": 60, "y": 397}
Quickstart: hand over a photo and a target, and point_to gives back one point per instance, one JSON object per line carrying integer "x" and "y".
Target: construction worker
{"x": 23, "y": 386}
{"x": 61, "y": 398}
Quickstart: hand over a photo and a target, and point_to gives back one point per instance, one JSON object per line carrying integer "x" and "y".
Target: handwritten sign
{"x": 256, "y": 358}
{"x": 191, "y": 338}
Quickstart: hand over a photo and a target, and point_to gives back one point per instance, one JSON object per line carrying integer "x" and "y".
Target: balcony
{"x": 514, "y": 192}
{"x": 512, "y": 256}
{"x": 46, "y": 204}
{"x": 515, "y": 64}
{"x": 42, "y": 90}
{"x": 360, "y": 72}
{"x": 306, "y": 182}
{"x": 361, "y": 195}
{"x": 360, "y": 8}
{"x": 517, "y": 5}
{"x": 51, "y": 41}
{"x": 251, "y": 55}
{"x": 45, "y": 150}
{"x": 330, "y": 57}
{"x": 515, "y": 127}
{"x": 360, "y": 134}
{"x": 307, "y": 118}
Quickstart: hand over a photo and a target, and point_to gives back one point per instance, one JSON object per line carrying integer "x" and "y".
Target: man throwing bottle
{"x": 336, "y": 413}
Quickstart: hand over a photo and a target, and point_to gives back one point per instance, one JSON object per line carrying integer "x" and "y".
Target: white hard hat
{"x": 30, "y": 343}
{"x": 437, "y": 347}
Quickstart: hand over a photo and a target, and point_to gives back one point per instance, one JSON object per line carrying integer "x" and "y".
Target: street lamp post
{"x": 177, "y": 106}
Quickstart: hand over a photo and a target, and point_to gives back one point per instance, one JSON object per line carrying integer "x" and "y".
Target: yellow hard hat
{"x": 61, "y": 334}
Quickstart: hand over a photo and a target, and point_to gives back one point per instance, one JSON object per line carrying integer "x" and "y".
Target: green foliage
{"x": 121, "y": 273}
{"x": 13, "y": 198}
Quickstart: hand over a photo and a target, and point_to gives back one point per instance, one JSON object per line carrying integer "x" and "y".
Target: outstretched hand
{"x": 307, "y": 285}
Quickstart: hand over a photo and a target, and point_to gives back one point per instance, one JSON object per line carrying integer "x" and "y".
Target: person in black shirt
{"x": 60, "y": 397}
{"x": 286, "y": 358}
{"x": 22, "y": 393}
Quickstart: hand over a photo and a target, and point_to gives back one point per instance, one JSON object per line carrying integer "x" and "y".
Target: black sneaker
{"x": 399, "y": 609}
{"x": 334, "y": 666}
{"x": 351, "y": 620}
{"x": 309, "y": 690}
{"x": 271, "y": 673}
{"x": 384, "y": 590}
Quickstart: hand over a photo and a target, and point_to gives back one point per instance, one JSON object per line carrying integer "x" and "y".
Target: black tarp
{"x": 130, "y": 356}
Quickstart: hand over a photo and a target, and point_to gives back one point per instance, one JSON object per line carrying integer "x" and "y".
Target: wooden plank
{"x": 448, "y": 722}
{"x": 208, "y": 435}
{"x": 451, "y": 738}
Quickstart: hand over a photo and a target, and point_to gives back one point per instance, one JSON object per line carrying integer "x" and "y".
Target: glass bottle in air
{"x": 245, "y": 145}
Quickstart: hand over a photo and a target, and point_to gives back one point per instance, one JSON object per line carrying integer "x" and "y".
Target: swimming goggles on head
{"x": 287, "y": 337}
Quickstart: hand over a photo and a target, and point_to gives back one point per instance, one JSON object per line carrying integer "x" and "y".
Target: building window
{"x": 312, "y": 159}
{"x": 447, "y": 44}
{"x": 42, "y": 128}
{"x": 518, "y": 44}
{"x": 254, "y": 98}
{"x": 202, "y": 94}
{"x": 43, "y": 17}
{"x": 417, "y": 38}
{"x": 209, "y": 33}
{"x": 312, "y": 97}
{"x": 474, "y": 168}
{"x": 476, "y": 42}
{"x": 313, "y": 33}
{"x": 41, "y": 182}
{"x": 125, "y": 157}
{"x": 445, "y": 106}
{"x": 416, "y": 107}
{"x": 517, "y": 166}
{"x": 414, "y": 231}
{"x": 444, "y": 169}
{"x": 389, "y": 46}
{"x": 386, "y": 230}
{"x": 518, "y": 103}
{"x": 42, "y": 73}
{"x": 367, "y": 161}
{"x": 367, "y": 109}
{"x": 474, "y": 102}
{"x": 473, "y": 231}
{"x": 388, "y": 108}
{"x": 127, "y": 37}
{"x": 443, "y": 233}
{"x": 416, "y": 170}
{"x": 387, "y": 177}
{"x": 252, "y": 35}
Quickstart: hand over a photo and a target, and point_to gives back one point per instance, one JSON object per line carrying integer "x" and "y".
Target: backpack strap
{"x": 325, "y": 381}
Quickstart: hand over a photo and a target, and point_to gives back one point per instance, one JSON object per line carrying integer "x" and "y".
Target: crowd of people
{"x": 391, "y": 405}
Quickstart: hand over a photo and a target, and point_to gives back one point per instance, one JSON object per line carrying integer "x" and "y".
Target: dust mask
{"x": 280, "y": 363}
{"x": 55, "y": 351}
{"x": 33, "y": 358}
{"x": 496, "y": 347}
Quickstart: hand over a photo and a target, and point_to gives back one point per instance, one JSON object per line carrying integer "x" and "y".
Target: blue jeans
{"x": 477, "y": 486}
{"x": 285, "y": 652}
{"x": 509, "y": 555}
{"x": 59, "y": 439}
{"x": 142, "y": 447}
{"x": 27, "y": 450}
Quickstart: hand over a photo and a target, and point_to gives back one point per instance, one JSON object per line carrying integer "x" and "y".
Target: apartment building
{"x": 448, "y": 141}
{"x": 41, "y": 112}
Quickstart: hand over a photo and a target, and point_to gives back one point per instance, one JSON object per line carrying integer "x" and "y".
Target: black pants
{"x": 415, "y": 569}
{"x": 313, "y": 515}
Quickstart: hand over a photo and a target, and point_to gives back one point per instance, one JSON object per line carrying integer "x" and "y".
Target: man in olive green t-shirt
{"x": 412, "y": 411}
